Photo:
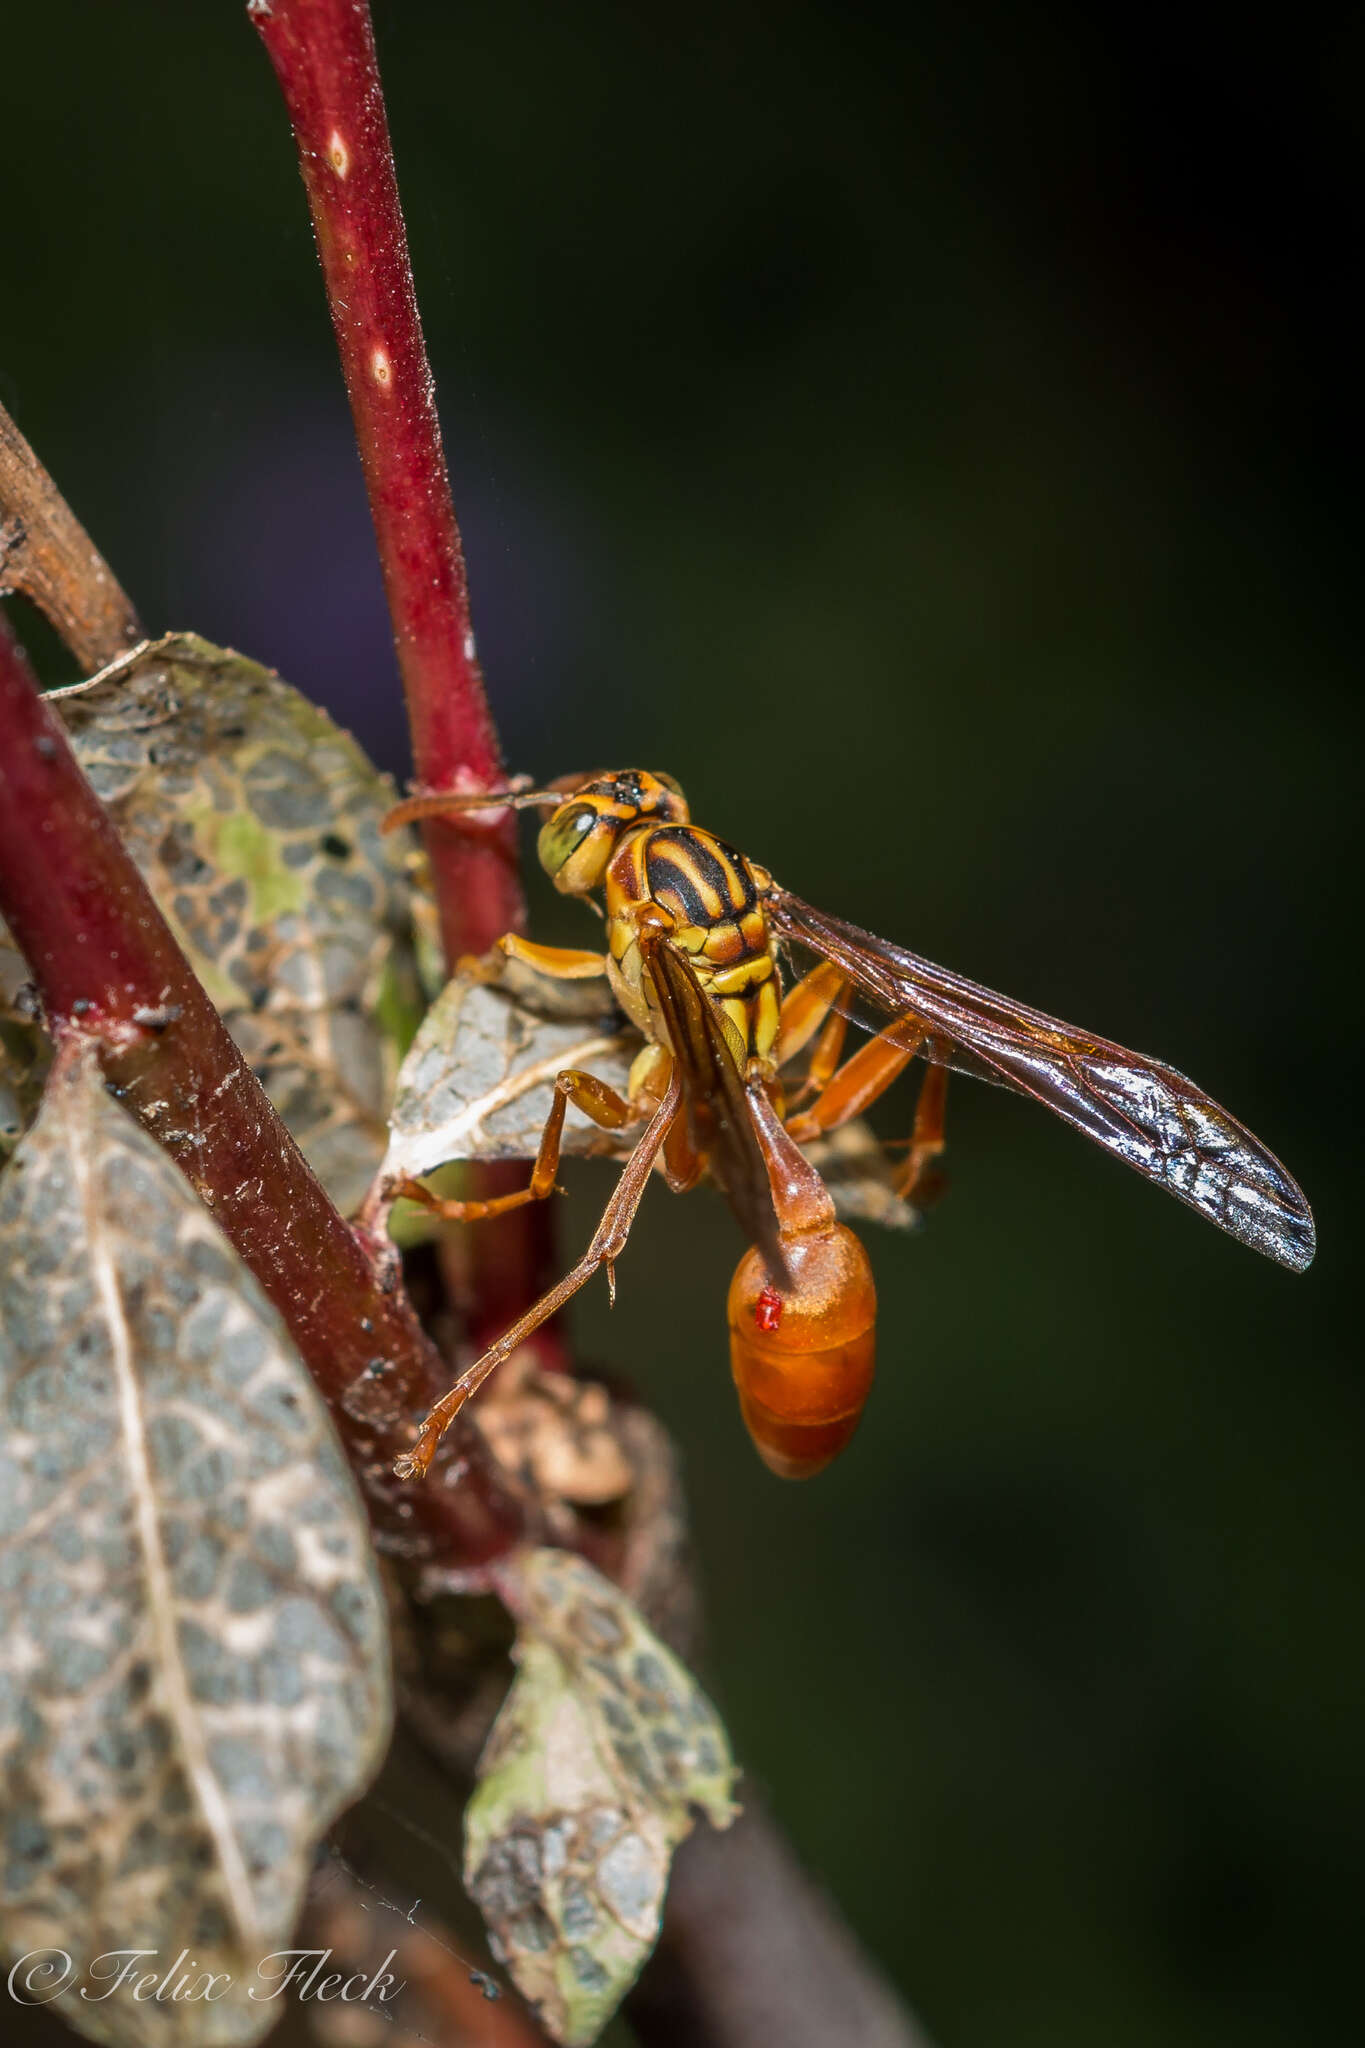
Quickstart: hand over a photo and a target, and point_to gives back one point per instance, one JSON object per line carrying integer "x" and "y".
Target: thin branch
{"x": 108, "y": 966}
{"x": 46, "y": 555}
{"x": 324, "y": 58}
{"x": 752, "y": 1952}
{"x": 364, "y": 1924}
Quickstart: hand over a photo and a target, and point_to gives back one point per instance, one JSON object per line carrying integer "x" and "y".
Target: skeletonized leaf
{"x": 193, "y": 1656}
{"x": 602, "y": 1750}
{"x": 478, "y": 1077}
{"x": 256, "y": 820}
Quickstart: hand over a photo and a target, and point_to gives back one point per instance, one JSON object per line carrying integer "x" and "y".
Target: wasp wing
{"x": 1146, "y": 1114}
{"x": 717, "y": 1104}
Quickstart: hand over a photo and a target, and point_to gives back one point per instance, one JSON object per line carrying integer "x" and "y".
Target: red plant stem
{"x": 324, "y": 58}
{"x": 107, "y": 966}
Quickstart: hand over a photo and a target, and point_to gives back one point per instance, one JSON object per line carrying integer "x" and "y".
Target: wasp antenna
{"x": 440, "y": 803}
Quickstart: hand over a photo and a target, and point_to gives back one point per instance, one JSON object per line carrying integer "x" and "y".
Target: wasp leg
{"x": 682, "y": 1163}
{"x": 805, "y": 1007}
{"x": 926, "y": 1134}
{"x": 808, "y": 1008}
{"x": 556, "y": 963}
{"x": 608, "y": 1242}
{"x": 858, "y": 1083}
{"x": 561, "y": 963}
{"x": 596, "y": 1100}
{"x": 649, "y": 1077}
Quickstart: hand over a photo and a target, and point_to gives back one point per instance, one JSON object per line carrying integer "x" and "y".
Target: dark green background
{"x": 923, "y": 437}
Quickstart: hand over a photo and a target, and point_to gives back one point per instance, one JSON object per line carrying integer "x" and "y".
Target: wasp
{"x": 696, "y": 938}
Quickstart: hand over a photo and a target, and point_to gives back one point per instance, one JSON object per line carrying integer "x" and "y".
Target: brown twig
{"x": 425, "y": 1981}
{"x": 752, "y": 1953}
{"x": 324, "y": 58}
{"x": 47, "y": 556}
{"x": 108, "y": 966}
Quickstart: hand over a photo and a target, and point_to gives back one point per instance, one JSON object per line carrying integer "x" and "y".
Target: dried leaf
{"x": 854, "y": 1166}
{"x": 255, "y": 821}
{"x": 193, "y": 1659}
{"x": 552, "y": 1434}
{"x": 477, "y": 1080}
{"x": 604, "y": 1746}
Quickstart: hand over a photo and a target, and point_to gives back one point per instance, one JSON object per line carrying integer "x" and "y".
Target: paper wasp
{"x": 695, "y": 938}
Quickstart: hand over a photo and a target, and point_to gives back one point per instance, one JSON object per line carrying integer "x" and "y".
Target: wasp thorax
{"x": 802, "y": 1358}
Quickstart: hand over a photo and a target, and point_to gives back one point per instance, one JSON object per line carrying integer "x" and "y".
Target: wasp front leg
{"x": 560, "y": 963}
{"x": 556, "y": 963}
{"x": 607, "y": 1244}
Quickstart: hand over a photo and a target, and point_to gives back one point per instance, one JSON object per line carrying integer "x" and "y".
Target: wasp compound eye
{"x": 576, "y": 845}
{"x": 562, "y": 836}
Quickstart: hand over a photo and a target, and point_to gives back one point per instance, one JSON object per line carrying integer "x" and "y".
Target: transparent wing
{"x": 717, "y": 1106}
{"x": 1146, "y": 1114}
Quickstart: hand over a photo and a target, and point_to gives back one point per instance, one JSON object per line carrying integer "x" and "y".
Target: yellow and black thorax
{"x": 715, "y": 898}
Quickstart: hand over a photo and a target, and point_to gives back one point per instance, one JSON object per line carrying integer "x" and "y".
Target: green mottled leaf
{"x": 602, "y": 1752}
{"x": 255, "y": 820}
{"x": 477, "y": 1080}
{"x": 193, "y": 1656}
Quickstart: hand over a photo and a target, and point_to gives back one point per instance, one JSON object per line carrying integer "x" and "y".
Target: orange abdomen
{"x": 803, "y": 1360}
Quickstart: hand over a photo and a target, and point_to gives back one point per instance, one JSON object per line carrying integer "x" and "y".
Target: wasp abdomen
{"x": 803, "y": 1360}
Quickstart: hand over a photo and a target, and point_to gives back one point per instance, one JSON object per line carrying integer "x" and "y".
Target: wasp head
{"x": 578, "y": 840}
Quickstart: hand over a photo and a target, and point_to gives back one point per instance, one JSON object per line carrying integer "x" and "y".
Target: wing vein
{"x": 1143, "y": 1112}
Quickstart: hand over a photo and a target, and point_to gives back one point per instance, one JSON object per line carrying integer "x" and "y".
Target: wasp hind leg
{"x": 856, "y": 1086}
{"x": 920, "y": 1181}
{"x": 608, "y": 1242}
{"x": 857, "y": 1083}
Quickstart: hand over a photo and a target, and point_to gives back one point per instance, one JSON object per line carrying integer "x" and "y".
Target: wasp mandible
{"x": 696, "y": 935}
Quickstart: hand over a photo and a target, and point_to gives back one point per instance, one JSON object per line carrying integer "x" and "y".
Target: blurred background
{"x": 920, "y": 431}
